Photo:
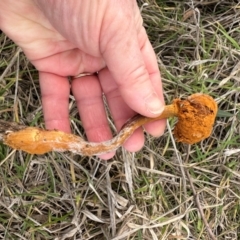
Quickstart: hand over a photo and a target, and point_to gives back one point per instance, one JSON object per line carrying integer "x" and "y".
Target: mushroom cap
{"x": 196, "y": 116}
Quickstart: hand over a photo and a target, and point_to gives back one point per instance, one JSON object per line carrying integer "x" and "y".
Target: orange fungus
{"x": 196, "y": 116}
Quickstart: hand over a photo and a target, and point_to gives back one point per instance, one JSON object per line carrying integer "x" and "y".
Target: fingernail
{"x": 153, "y": 104}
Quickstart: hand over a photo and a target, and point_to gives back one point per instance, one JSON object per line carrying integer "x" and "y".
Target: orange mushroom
{"x": 196, "y": 116}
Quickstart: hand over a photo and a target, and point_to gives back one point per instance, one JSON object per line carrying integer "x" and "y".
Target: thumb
{"x": 138, "y": 78}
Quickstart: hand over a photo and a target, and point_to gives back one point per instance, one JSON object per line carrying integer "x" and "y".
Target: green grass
{"x": 157, "y": 193}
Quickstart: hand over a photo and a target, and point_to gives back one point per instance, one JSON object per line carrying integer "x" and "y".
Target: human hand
{"x": 68, "y": 37}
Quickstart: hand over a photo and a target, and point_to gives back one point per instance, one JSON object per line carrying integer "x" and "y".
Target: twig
{"x": 10, "y": 64}
{"x": 196, "y": 198}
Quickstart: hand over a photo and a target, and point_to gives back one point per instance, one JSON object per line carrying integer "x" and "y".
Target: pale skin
{"x": 68, "y": 37}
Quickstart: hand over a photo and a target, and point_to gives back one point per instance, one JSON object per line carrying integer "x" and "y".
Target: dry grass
{"x": 166, "y": 191}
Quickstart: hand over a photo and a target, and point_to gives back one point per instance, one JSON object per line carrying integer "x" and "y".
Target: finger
{"x": 120, "y": 111}
{"x": 55, "y": 96}
{"x": 126, "y": 64}
{"x": 88, "y": 94}
{"x": 156, "y": 128}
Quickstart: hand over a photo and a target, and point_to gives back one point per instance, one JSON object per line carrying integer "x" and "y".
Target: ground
{"x": 166, "y": 191}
